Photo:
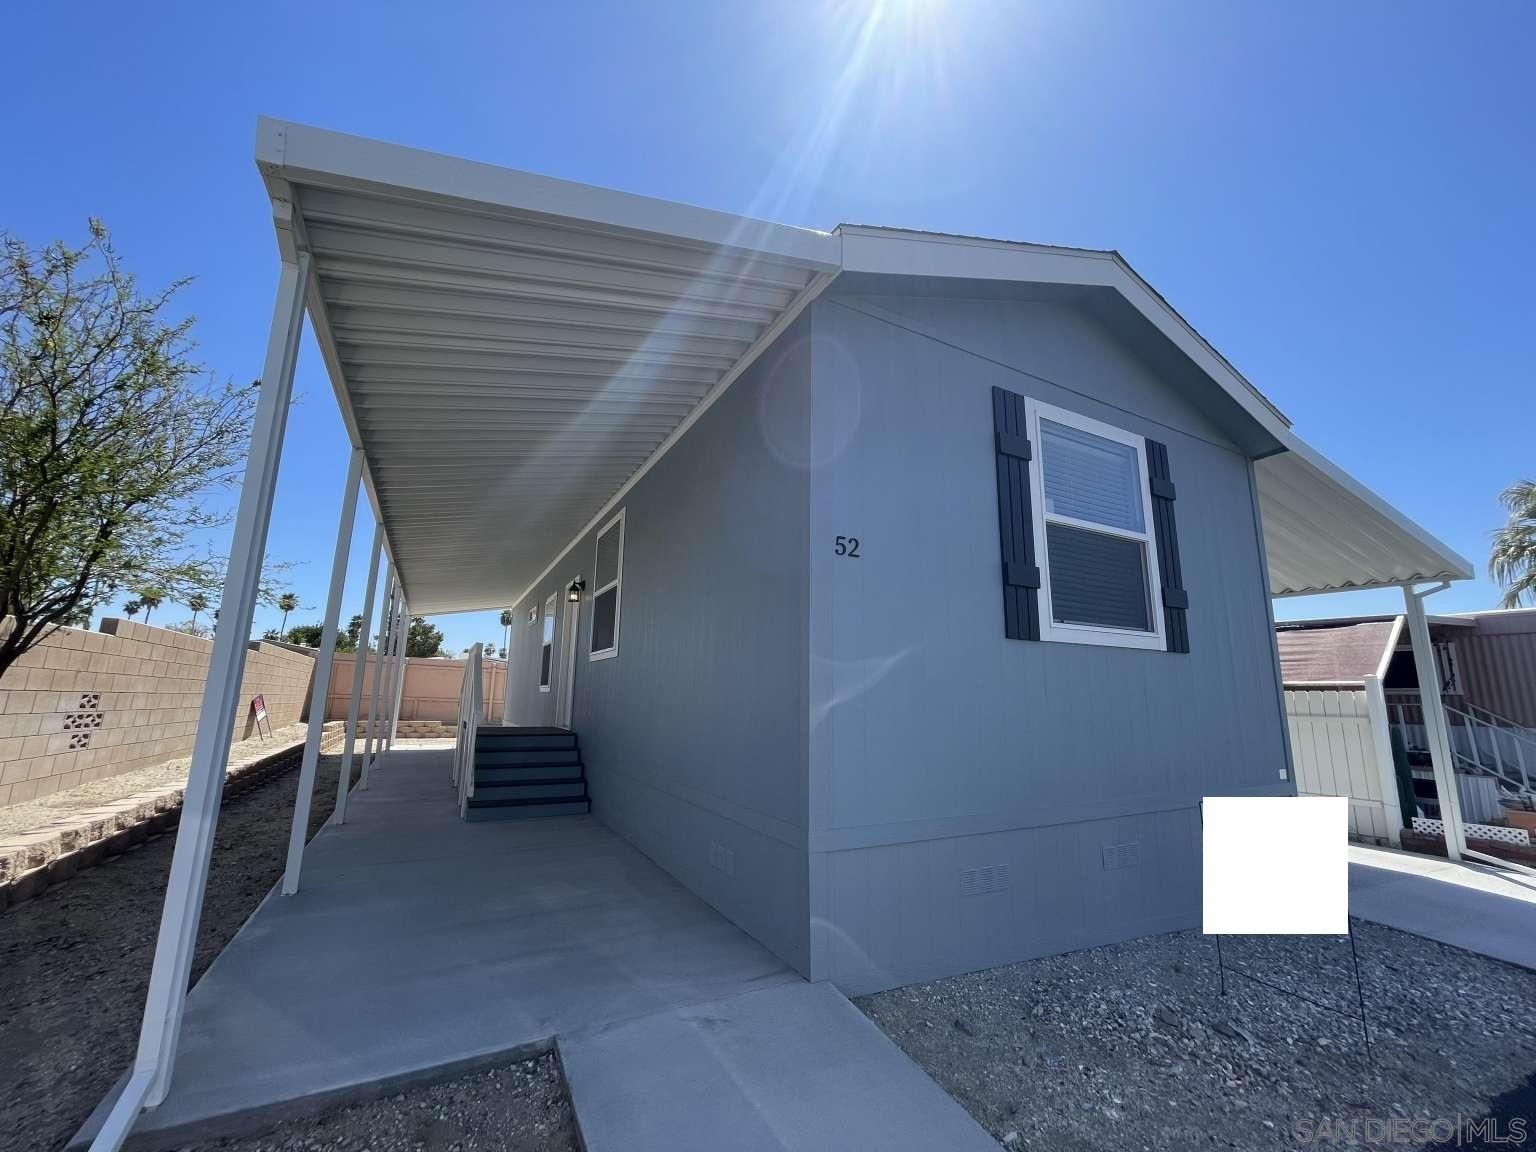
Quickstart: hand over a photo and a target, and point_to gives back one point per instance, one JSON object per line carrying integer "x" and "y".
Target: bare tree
{"x": 111, "y": 438}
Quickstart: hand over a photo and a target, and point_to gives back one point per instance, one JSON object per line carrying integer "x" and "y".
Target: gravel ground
{"x": 522, "y": 1107}
{"x": 1134, "y": 1047}
{"x": 74, "y": 961}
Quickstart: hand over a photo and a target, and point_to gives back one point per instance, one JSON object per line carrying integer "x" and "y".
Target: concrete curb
{"x": 34, "y": 862}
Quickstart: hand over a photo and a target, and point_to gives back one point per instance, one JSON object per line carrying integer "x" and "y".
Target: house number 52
{"x": 848, "y": 546}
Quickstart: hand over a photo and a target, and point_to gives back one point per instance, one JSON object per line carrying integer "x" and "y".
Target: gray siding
{"x": 694, "y": 734}
{"x": 939, "y": 747}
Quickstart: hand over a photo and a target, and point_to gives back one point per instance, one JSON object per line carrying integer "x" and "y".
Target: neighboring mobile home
{"x": 1352, "y": 687}
{"x": 921, "y": 582}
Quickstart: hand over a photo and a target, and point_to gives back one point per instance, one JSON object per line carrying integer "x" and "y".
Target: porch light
{"x": 573, "y": 591}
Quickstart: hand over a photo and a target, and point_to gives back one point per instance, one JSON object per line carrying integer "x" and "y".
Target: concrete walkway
{"x": 419, "y": 943}
{"x": 1479, "y": 908}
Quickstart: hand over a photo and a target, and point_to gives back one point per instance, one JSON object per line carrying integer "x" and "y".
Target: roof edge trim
{"x": 887, "y": 251}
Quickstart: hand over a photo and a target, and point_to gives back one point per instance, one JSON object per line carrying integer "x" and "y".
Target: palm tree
{"x": 151, "y": 601}
{"x": 198, "y": 603}
{"x": 132, "y": 608}
{"x": 287, "y": 602}
{"x": 506, "y": 622}
{"x": 1513, "y": 559}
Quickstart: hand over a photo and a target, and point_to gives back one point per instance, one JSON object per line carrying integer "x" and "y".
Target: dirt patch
{"x": 34, "y": 814}
{"x": 74, "y": 961}
{"x": 1134, "y": 1047}
{"x": 522, "y": 1107}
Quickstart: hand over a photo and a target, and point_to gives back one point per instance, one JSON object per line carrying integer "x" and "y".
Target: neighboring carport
{"x": 510, "y": 353}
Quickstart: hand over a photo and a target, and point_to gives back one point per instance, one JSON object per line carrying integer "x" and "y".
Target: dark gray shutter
{"x": 1170, "y": 572}
{"x": 1015, "y": 513}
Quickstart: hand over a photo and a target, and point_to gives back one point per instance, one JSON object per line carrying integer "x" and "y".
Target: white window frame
{"x": 617, "y": 583}
{"x": 1034, "y": 411}
{"x": 550, "y": 613}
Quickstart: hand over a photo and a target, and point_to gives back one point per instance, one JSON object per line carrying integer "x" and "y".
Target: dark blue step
{"x": 493, "y": 794}
{"x": 506, "y": 741}
{"x": 525, "y": 773}
{"x": 512, "y": 757}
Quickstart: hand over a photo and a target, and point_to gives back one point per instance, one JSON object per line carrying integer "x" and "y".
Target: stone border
{"x": 36, "y": 861}
{"x": 423, "y": 730}
{"x": 1435, "y": 846}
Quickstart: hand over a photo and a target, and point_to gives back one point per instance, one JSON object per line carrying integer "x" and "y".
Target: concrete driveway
{"x": 1479, "y": 908}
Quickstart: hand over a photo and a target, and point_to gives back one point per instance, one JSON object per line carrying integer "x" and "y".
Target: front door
{"x": 566, "y": 682}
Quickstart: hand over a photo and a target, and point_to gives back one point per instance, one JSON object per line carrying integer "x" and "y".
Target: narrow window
{"x": 607, "y": 575}
{"x": 547, "y": 648}
{"x": 1093, "y": 532}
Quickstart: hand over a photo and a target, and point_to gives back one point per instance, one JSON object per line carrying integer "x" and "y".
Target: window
{"x": 547, "y": 644}
{"x": 1093, "y": 532}
{"x": 607, "y": 574}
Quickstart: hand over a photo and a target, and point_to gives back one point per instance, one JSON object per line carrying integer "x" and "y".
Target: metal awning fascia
{"x": 314, "y": 157}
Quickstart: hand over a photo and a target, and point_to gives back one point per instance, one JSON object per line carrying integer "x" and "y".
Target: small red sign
{"x": 259, "y": 711}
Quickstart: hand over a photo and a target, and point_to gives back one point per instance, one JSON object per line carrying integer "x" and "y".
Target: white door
{"x": 564, "y": 690}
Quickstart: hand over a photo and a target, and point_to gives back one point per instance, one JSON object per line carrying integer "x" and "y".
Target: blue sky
{"x": 1339, "y": 197}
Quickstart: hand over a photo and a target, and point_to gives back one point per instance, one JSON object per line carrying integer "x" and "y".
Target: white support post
{"x": 165, "y": 1001}
{"x": 400, "y": 666}
{"x": 387, "y": 672}
{"x": 506, "y": 688}
{"x": 359, "y": 665}
{"x": 299, "y": 831}
{"x": 386, "y": 614}
{"x": 1434, "y": 720}
{"x": 1386, "y": 768}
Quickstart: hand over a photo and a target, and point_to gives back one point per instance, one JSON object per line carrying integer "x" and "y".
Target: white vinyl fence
{"x": 1340, "y": 746}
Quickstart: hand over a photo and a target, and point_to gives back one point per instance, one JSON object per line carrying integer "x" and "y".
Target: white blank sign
{"x": 1276, "y": 865}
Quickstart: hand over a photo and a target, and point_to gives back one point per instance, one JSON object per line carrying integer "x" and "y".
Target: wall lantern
{"x": 573, "y": 591}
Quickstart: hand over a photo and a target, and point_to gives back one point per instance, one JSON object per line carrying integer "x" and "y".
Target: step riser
{"x": 513, "y": 757}
{"x": 529, "y": 811}
{"x": 528, "y": 740}
{"x": 486, "y": 777}
{"x": 575, "y": 789}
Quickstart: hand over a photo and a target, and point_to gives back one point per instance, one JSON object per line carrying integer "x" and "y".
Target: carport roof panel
{"x": 509, "y": 349}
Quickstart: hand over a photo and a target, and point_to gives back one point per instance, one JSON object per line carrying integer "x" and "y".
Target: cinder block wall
{"x": 431, "y": 690}
{"x": 84, "y": 705}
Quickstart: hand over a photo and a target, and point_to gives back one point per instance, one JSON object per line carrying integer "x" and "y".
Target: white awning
{"x": 507, "y": 349}
{"x": 512, "y": 351}
{"x": 1325, "y": 532}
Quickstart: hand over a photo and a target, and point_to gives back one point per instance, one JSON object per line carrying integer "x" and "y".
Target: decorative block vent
{"x": 980, "y": 881}
{"x": 79, "y": 740}
{"x": 1127, "y": 855}
{"x": 1475, "y": 831}
{"x": 89, "y": 701}
{"x": 76, "y": 721}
